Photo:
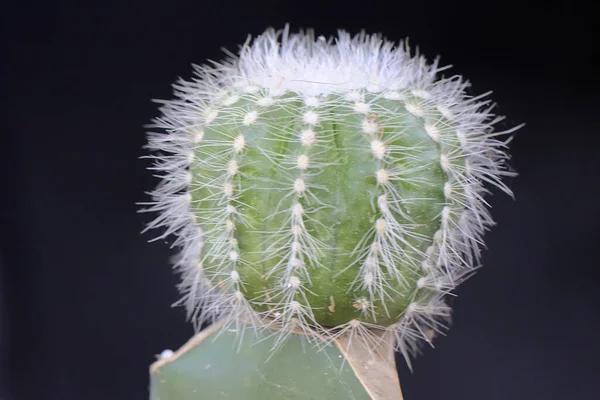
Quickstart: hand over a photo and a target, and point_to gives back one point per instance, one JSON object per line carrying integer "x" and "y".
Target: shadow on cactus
{"x": 326, "y": 189}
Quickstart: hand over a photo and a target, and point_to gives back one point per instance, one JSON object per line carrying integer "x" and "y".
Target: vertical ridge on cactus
{"x": 331, "y": 187}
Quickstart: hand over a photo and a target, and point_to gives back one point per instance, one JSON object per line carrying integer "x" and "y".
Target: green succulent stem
{"x": 216, "y": 365}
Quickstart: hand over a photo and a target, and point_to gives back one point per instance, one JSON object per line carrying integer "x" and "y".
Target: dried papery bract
{"x": 326, "y": 186}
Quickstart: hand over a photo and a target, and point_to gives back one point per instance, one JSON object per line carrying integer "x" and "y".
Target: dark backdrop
{"x": 86, "y": 300}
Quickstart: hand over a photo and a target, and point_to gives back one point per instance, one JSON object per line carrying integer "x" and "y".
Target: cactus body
{"x": 332, "y": 188}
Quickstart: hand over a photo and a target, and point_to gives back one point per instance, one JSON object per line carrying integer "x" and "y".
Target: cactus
{"x": 332, "y": 189}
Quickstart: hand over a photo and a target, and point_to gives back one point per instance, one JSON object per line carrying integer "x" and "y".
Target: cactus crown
{"x": 326, "y": 186}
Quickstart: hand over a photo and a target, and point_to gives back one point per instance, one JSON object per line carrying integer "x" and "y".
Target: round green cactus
{"x": 326, "y": 187}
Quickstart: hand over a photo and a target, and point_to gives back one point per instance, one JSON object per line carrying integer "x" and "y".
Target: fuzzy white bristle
{"x": 381, "y": 225}
{"x": 433, "y": 132}
{"x": 232, "y": 168}
{"x": 250, "y": 118}
{"x": 198, "y": 136}
{"x": 370, "y": 126}
{"x": 383, "y": 176}
{"x": 362, "y": 108}
{"x": 378, "y": 149}
{"x": 228, "y": 189}
{"x": 308, "y": 138}
{"x": 311, "y": 117}
{"x": 297, "y": 210}
{"x": 299, "y": 186}
{"x": 303, "y": 162}
{"x": 239, "y": 143}
{"x": 414, "y": 110}
{"x": 266, "y": 101}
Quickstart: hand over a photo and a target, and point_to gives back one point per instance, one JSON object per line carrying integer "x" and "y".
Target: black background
{"x": 86, "y": 300}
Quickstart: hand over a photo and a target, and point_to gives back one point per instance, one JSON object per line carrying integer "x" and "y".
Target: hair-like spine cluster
{"x": 271, "y": 120}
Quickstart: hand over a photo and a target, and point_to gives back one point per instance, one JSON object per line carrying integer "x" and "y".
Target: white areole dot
{"x": 430, "y": 250}
{"x": 445, "y": 214}
{"x": 250, "y": 118}
{"x": 190, "y": 157}
{"x": 302, "y": 162}
{"x": 297, "y": 210}
{"x": 296, "y": 262}
{"x": 235, "y": 276}
{"x": 294, "y": 282}
{"x": 239, "y": 143}
{"x": 378, "y": 149}
{"x": 296, "y": 246}
{"x": 228, "y": 189}
{"x": 383, "y": 203}
{"x": 232, "y": 168}
{"x": 210, "y": 115}
{"x": 188, "y": 178}
{"x": 239, "y": 296}
{"x": 425, "y": 265}
{"x": 433, "y": 132}
{"x": 295, "y": 306}
{"x": 368, "y": 278}
{"x": 355, "y": 323}
{"x": 231, "y": 100}
{"x": 229, "y": 225}
{"x": 381, "y": 225}
{"x": 297, "y": 230}
{"x": 198, "y": 135}
{"x": 299, "y": 186}
{"x": 371, "y": 262}
{"x": 312, "y": 101}
{"x": 230, "y": 209}
{"x": 307, "y": 137}
{"x": 310, "y": 117}
{"x": 376, "y": 247}
{"x": 370, "y": 126}
{"x": 445, "y": 162}
{"x": 233, "y": 256}
{"x": 414, "y": 110}
{"x": 383, "y": 176}
{"x": 421, "y": 283}
{"x": 447, "y": 190}
{"x": 265, "y": 101}
{"x": 412, "y": 307}
{"x": 362, "y": 303}
{"x": 362, "y": 108}
{"x": 233, "y": 241}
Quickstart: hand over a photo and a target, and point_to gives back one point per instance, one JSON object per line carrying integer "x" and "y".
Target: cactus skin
{"x": 209, "y": 367}
{"x": 332, "y": 188}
